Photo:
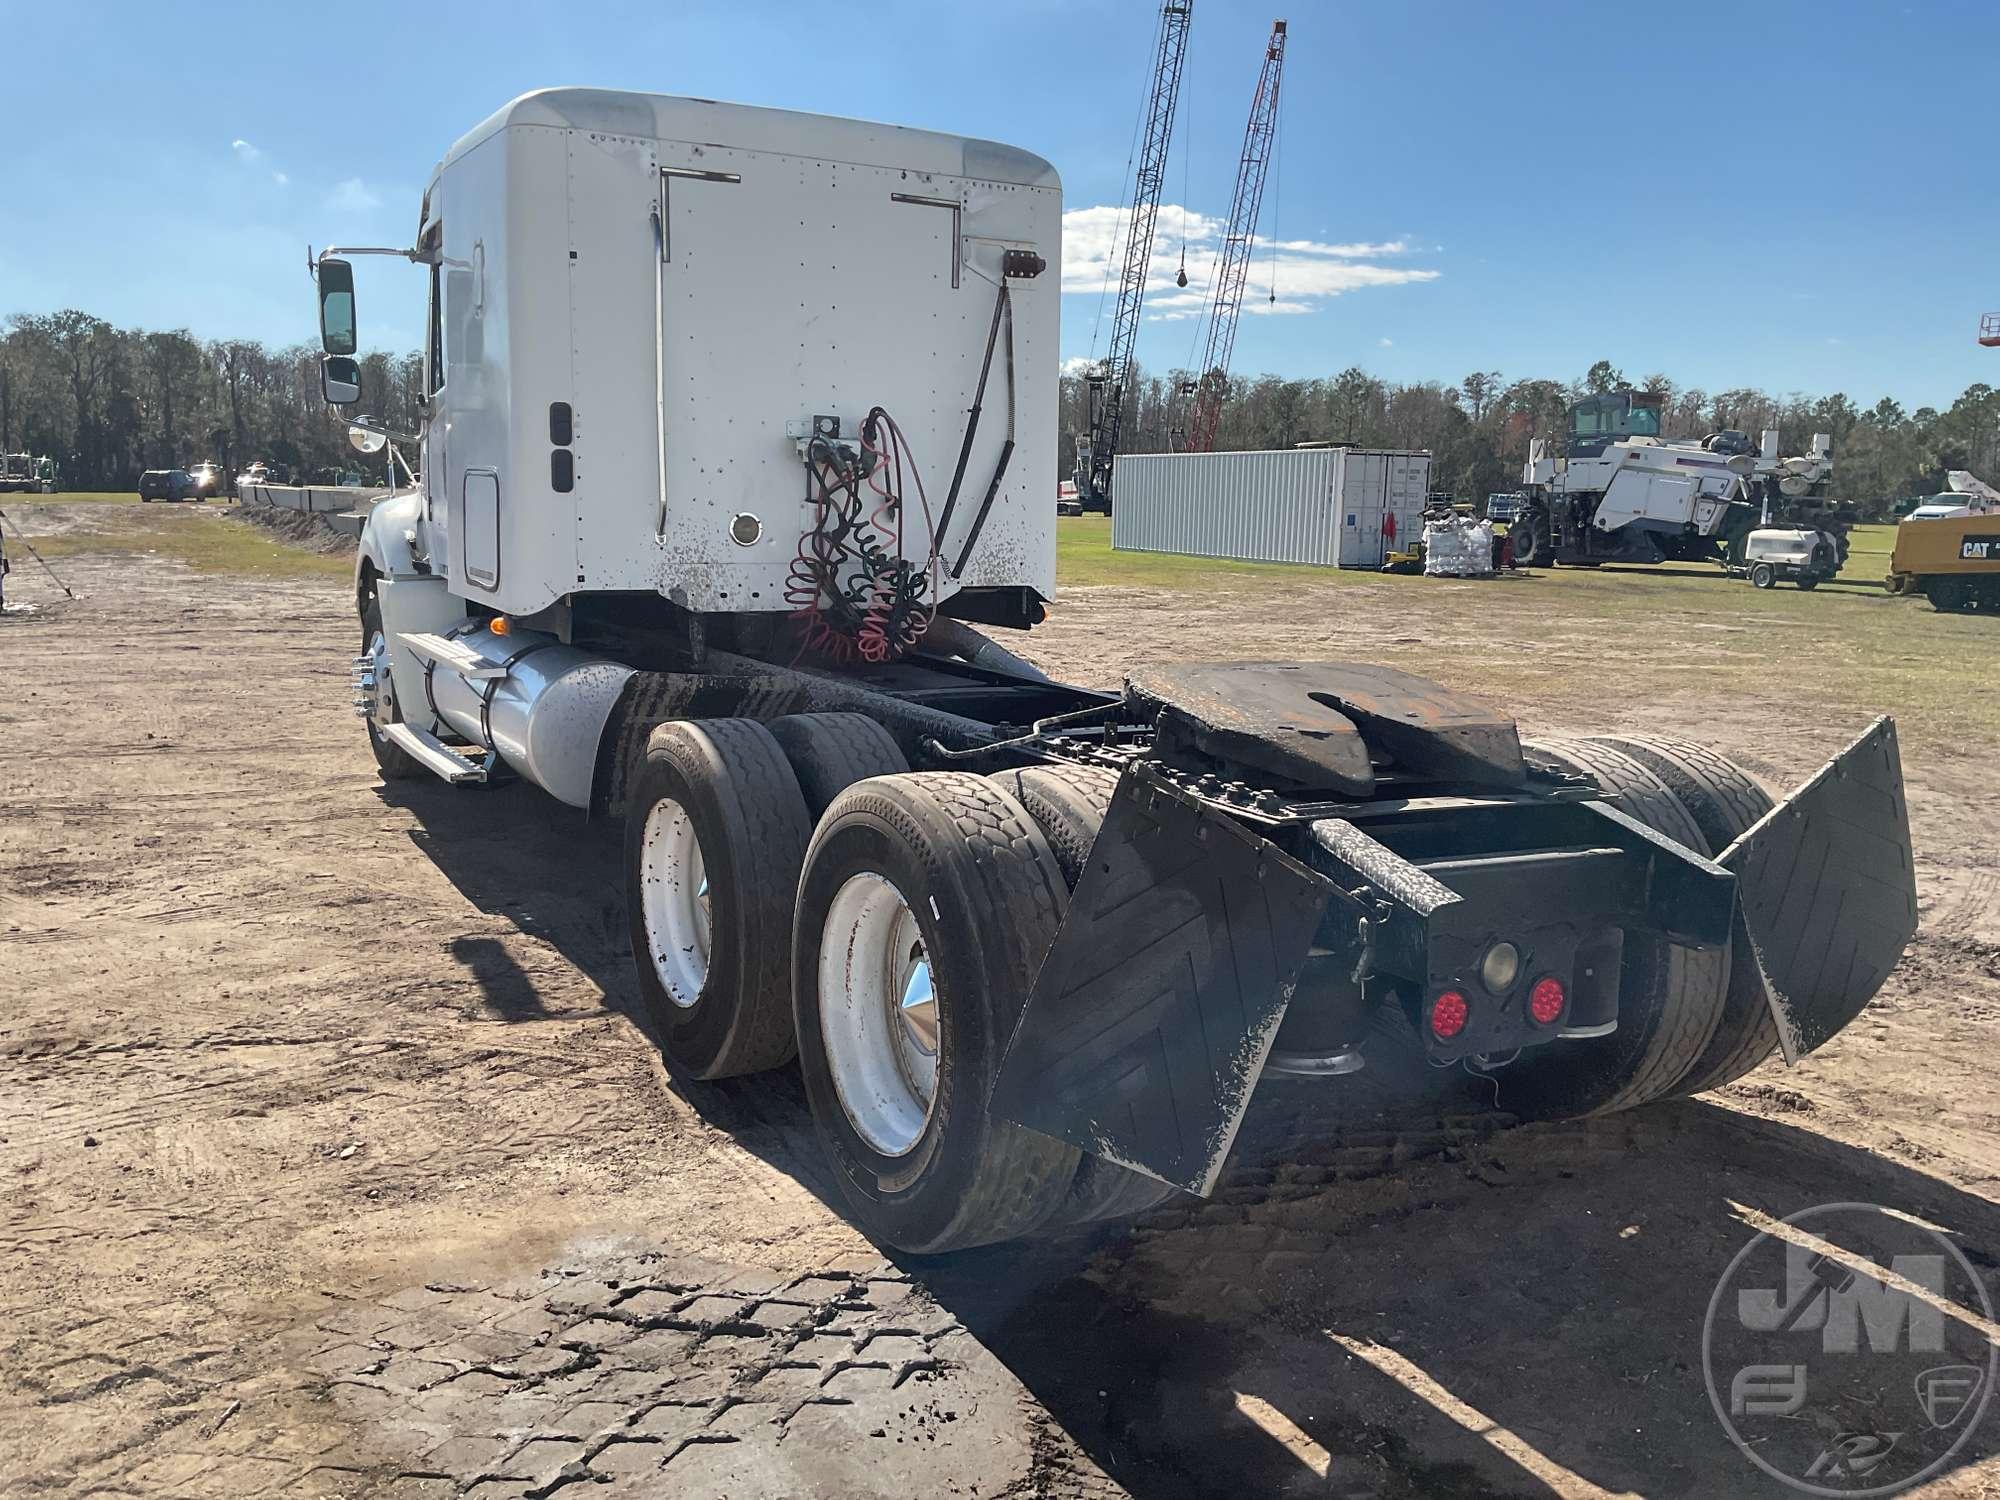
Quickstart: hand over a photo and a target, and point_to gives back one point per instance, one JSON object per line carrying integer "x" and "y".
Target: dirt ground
{"x": 336, "y": 1166}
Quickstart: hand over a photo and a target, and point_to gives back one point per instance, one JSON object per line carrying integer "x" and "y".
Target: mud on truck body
{"x": 723, "y": 464}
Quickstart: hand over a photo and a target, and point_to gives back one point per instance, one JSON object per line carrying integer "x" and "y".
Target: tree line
{"x": 1478, "y": 430}
{"x": 107, "y": 403}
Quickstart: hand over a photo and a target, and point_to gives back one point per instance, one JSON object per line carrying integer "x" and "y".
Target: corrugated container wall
{"x": 1341, "y": 507}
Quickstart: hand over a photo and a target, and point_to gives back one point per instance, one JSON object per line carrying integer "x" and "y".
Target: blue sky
{"x": 1791, "y": 195}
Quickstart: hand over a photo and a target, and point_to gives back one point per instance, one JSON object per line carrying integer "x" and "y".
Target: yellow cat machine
{"x": 1953, "y": 561}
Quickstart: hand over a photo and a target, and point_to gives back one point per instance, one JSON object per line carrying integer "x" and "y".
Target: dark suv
{"x": 167, "y": 484}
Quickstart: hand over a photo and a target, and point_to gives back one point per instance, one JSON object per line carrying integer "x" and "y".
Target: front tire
{"x": 926, "y": 906}
{"x": 1533, "y": 546}
{"x": 391, "y": 763}
{"x": 1763, "y": 576}
{"x": 715, "y": 832}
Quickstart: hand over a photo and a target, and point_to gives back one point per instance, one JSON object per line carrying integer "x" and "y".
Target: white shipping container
{"x": 1337, "y": 507}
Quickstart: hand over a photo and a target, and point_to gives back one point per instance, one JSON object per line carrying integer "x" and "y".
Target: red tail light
{"x": 1546, "y": 1001}
{"x": 1448, "y": 1015}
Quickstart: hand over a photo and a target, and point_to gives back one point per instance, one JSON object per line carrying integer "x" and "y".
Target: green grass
{"x": 1084, "y": 559}
{"x": 205, "y": 540}
{"x": 1681, "y": 633}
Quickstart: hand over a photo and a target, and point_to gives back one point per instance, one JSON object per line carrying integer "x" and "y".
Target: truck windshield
{"x": 1614, "y": 417}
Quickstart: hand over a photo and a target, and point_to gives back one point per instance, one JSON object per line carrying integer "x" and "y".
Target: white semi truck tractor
{"x": 736, "y": 446}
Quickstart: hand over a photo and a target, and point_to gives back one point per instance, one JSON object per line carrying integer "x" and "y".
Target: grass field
{"x": 1683, "y": 628}
{"x": 208, "y": 539}
{"x": 1084, "y": 556}
{"x": 1678, "y": 631}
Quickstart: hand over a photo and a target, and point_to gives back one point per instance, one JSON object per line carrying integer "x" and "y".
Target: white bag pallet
{"x": 1458, "y": 548}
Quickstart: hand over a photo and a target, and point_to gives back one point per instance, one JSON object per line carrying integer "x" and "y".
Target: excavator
{"x": 1951, "y": 558}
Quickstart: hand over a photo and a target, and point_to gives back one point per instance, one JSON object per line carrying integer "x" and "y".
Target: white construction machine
{"x": 735, "y": 427}
{"x": 1619, "y": 492}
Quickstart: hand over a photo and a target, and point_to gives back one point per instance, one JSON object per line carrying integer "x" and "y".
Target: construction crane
{"x": 1111, "y": 382}
{"x": 1226, "y": 294}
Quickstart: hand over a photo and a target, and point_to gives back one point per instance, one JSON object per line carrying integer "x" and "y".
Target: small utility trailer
{"x": 722, "y": 466}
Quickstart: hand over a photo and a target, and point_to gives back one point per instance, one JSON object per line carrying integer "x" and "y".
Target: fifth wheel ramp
{"x": 1828, "y": 891}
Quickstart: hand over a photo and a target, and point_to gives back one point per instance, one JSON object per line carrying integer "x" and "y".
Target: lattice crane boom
{"x": 1111, "y": 384}
{"x": 1226, "y": 295}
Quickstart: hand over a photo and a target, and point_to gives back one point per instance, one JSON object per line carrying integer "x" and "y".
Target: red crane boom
{"x": 1226, "y": 295}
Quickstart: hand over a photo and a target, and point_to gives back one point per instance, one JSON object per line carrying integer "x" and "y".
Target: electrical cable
{"x": 853, "y": 590}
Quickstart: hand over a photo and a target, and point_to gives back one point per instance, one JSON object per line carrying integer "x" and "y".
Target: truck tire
{"x": 926, "y": 906}
{"x": 830, "y": 752}
{"x": 715, "y": 833}
{"x": 1948, "y": 594}
{"x": 1068, "y": 804}
{"x": 391, "y": 762}
{"x": 1533, "y": 544}
{"x": 1670, "y": 997}
{"x": 1724, "y": 803}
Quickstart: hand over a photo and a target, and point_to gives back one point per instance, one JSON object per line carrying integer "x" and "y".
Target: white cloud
{"x": 1385, "y": 343}
{"x": 1078, "y": 364}
{"x": 353, "y": 196}
{"x": 1285, "y": 277}
{"x": 255, "y": 156}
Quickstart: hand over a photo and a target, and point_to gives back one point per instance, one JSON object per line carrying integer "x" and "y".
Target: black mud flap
{"x": 1155, "y": 1009}
{"x": 1828, "y": 891}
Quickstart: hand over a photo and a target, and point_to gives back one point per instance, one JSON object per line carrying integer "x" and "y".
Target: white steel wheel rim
{"x": 878, "y": 1014}
{"x": 674, "y": 902}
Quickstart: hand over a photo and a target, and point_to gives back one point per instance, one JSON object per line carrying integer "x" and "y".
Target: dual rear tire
{"x": 794, "y": 889}
{"x": 1689, "y": 1021}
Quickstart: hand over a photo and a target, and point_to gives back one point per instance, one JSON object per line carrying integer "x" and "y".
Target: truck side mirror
{"x": 336, "y": 307}
{"x": 340, "y": 380}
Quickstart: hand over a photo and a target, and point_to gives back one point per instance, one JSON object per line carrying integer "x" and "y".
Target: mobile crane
{"x": 1233, "y": 265}
{"x": 1110, "y": 385}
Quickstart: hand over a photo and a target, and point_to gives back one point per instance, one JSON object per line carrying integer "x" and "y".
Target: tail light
{"x": 1448, "y": 1015}
{"x": 1546, "y": 1001}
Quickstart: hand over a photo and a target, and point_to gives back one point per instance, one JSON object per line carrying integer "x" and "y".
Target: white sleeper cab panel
{"x": 673, "y": 284}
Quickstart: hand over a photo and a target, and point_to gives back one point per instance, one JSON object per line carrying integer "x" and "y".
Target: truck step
{"x": 453, "y": 652}
{"x": 434, "y": 754}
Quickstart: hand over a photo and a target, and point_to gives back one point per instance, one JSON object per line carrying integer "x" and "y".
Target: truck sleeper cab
{"x": 724, "y": 460}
